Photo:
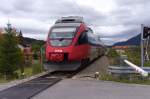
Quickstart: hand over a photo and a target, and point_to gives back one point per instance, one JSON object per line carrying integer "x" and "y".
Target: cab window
{"x": 83, "y": 38}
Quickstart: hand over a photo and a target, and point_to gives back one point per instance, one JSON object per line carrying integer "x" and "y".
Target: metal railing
{"x": 144, "y": 71}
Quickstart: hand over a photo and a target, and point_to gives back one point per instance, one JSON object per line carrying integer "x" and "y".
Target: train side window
{"x": 83, "y": 38}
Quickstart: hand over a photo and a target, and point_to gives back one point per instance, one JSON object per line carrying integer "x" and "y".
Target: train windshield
{"x": 62, "y": 36}
{"x": 62, "y": 32}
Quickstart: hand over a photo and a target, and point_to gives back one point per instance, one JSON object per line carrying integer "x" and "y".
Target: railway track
{"x": 32, "y": 87}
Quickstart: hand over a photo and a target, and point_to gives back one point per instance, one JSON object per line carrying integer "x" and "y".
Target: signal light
{"x": 146, "y": 32}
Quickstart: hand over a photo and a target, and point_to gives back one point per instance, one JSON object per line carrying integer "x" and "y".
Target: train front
{"x": 60, "y": 53}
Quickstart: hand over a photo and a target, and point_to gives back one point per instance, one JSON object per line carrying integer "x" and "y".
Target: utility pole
{"x": 142, "y": 46}
{"x": 41, "y": 58}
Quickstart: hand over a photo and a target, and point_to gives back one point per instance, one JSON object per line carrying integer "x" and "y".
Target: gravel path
{"x": 99, "y": 65}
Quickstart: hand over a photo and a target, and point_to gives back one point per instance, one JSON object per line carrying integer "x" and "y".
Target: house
{"x": 27, "y": 52}
{"x": 26, "y": 48}
{"x": 121, "y": 49}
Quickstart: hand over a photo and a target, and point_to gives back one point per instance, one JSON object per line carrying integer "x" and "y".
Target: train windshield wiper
{"x": 61, "y": 39}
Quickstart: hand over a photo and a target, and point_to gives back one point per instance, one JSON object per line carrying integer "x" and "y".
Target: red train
{"x": 68, "y": 45}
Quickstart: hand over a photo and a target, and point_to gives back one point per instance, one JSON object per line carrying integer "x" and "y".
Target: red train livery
{"x": 68, "y": 42}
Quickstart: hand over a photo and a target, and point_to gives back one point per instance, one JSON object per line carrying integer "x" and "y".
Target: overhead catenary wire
{"x": 81, "y": 12}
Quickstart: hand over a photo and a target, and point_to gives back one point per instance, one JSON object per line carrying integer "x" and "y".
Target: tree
{"x": 113, "y": 53}
{"x": 20, "y": 38}
{"x": 11, "y": 56}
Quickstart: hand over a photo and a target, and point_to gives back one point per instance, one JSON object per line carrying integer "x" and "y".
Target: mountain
{"x": 31, "y": 41}
{"x": 132, "y": 41}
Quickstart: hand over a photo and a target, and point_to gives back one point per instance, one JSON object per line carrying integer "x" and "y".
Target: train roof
{"x": 74, "y": 21}
{"x": 70, "y": 19}
{"x": 67, "y": 24}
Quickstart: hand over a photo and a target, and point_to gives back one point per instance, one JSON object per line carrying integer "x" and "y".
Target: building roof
{"x": 121, "y": 47}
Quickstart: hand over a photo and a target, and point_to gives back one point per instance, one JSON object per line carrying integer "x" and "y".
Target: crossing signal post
{"x": 145, "y": 39}
{"x": 146, "y": 32}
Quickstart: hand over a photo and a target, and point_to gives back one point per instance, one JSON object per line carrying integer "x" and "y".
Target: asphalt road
{"x": 92, "y": 89}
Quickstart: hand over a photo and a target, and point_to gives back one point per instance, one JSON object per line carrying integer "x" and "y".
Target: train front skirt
{"x": 70, "y": 66}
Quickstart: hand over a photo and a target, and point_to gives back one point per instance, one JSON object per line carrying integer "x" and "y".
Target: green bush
{"x": 114, "y": 57}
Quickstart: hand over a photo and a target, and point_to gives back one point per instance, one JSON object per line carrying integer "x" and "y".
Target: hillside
{"x": 132, "y": 41}
{"x": 27, "y": 40}
{"x": 31, "y": 41}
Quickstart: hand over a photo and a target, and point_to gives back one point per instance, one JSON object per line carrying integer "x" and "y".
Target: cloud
{"x": 115, "y": 20}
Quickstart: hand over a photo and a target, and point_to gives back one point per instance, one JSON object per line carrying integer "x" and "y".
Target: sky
{"x": 113, "y": 20}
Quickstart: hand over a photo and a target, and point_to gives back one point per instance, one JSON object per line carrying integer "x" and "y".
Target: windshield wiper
{"x": 60, "y": 39}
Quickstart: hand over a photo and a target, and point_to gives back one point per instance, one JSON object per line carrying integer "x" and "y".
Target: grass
{"x": 28, "y": 71}
{"x": 2, "y": 79}
{"x": 135, "y": 79}
{"x": 147, "y": 64}
{"x": 31, "y": 70}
